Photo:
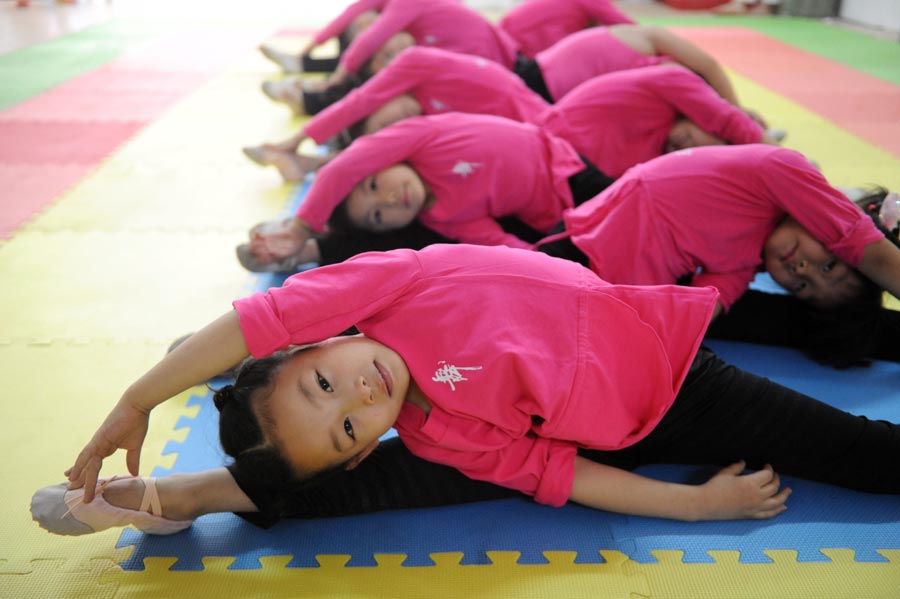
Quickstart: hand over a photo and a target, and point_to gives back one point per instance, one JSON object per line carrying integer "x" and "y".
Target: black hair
{"x": 244, "y": 422}
{"x": 340, "y": 222}
{"x": 845, "y": 335}
{"x": 242, "y": 428}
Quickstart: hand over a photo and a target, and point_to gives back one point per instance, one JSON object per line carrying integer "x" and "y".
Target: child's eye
{"x": 348, "y": 428}
{"x": 830, "y": 266}
{"x": 323, "y": 383}
{"x": 372, "y": 184}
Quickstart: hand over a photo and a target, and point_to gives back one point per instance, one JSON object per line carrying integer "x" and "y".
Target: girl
{"x": 457, "y": 354}
{"x": 453, "y": 173}
{"x": 596, "y": 51}
{"x": 442, "y": 23}
{"x": 719, "y": 214}
{"x": 628, "y": 117}
{"x": 615, "y": 120}
{"x": 420, "y": 81}
{"x": 346, "y": 26}
{"x": 538, "y": 24}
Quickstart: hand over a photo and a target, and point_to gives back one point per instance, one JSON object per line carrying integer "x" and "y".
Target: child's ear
{"x": 355, "y": 460}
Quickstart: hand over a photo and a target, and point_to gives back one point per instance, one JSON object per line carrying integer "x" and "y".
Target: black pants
{"x": 316, "y": 102}
{"x": 530, "y": 72}
{"x": 319, "y": 65}
{"x": 721, "y": 415}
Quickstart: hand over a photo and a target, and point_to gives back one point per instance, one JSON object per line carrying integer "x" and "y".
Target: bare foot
{"x": 293, "y": 167}
{"x": 286, "y": 91}
{"x": 289, "y": 63}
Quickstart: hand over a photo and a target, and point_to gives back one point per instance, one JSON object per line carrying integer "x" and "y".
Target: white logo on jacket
{"x": 438, "y": 105}
{"x": 464, "y": 169}
{"x": 448, "y": 373}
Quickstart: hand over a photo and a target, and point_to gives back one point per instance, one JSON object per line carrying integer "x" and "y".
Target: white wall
{"x": 881, "y": 14}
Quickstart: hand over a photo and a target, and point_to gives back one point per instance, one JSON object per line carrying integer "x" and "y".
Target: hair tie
{"x": 224, "y": 396}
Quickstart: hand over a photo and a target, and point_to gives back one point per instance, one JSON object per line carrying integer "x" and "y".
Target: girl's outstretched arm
{"x": 682, "y": 51}
{"x": 218, "y": 346}
{"x": 729, "y": 495}
{"x": 881, "y": 263}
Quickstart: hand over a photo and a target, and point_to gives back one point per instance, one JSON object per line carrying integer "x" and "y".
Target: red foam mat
{"x": 28, "y": 188}
{"x": 62, "y": 142}
{"x": 862, "y": 104}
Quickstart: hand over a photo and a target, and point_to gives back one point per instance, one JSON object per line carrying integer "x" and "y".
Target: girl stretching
{"x": 419, "y": 81}
{"x": 457, "y": 354}
{"x": 615, "y": 120}
{"x": 453, "y": 173}
{"x": 538, "y": 24}
{"x": 345, "y": 27}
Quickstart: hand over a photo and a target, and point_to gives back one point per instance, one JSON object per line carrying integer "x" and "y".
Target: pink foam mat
{"x": 62, "y": 142}
{"x": 862, "y": 104}
{"x": 29, "y": 188}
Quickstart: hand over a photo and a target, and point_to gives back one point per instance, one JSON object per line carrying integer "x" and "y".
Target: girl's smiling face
{"x": 390, "y": 199}
{"x": 331, "y": 403}
{"x": 805, "y": 268}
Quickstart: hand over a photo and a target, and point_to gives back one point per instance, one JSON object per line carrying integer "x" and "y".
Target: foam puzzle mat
{"x": 122, "y": 195}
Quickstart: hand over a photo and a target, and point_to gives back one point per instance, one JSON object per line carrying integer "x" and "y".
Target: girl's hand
{"x": 730, "y": 495}
{"x": 124, "y": 428}
{"x": 273, "y": 240}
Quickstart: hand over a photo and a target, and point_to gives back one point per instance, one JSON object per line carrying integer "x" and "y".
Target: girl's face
{"x": 331, "y": 403}
{"x": 391, "y": 48}
{"x": 686, "y": 134}
{"x": 396, "y": 109}
{"x": 804, "y": 267}
{"x": 388, "y": 200}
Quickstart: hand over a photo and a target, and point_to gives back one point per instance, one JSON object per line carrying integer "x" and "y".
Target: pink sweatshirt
{"x": 466, "y": 162}
{"x": 623, "y": 118}
{"x": 441, "y": 81}
{"x": 710, "y": 210}
{"x": 446, "y": 24}
{"x": 585, "y": 55}
{"x": 523, "y": 357}
{"x": 538, "y": 24}
{"x": 343, "y": 20}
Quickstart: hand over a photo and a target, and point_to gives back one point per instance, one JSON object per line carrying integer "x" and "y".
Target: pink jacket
{"x": 710, "y": 210}
{"x": 585, "y": 55}
{"x": 441, "y": 81}
{"x": 623, "y": 118}
{"x": 538, "y": 24}
{"x": 343, "y": 20}
{"x": 446, "y": 24}
{"x": 466, "y": 162}
{"x": 523, "y": 357}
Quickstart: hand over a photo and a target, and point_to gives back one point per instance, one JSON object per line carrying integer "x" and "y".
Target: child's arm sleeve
{"x": 399, "y": 77}
{"x": 691, "y": 96}
{"x": 366, "y": 156}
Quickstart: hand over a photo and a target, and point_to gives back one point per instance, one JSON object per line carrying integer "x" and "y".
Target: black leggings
{"x": 721, "y": 415}
{"x": 530, "y": 72}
